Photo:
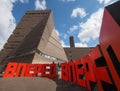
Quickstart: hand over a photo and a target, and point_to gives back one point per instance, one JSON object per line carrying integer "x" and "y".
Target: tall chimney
{"x": 72, "y": 41}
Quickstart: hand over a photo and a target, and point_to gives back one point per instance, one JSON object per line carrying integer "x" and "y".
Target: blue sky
{"x": 79, "y": 18}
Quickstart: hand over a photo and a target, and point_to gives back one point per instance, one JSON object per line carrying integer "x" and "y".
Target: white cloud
{"x": 7, "y": 20}
{"x": 2, "y": 42}
{"x": 68, "y": 0}
{"x": 40, "y": 5}
{"x": 24, "y": 1}
{"x": 62, "y": 34}
{"x": 65, "y": 36}
{"x": 78, "y": 12}
{"x": 104, "y": 1}
{"x": 57, "y": 32}
{"x": 107, "y": 2}
{"x": 81, "y": 45}
{"x": 73, "y": 28}
{"x": 91, "y": 28}
{"x": 76, "y": 44}
{"x": 63, "y": 44}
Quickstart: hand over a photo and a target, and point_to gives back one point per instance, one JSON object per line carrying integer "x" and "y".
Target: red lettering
{"x": 100, "y": 68}
{"x": 72, "y": 72}
{"x": 10, "y": 70}
{"x": 53, "y": 71}
{"x": 80, "y": 73}
{"x": 64, "y": 71}
{"x": 45, "y": 70}
{"x": 89, "y": 72}
{"x": 110, "y": 45}
{"x": 30, "y": 70}
{"x": 38, "y": 70}
{"x": 21, "y": 69}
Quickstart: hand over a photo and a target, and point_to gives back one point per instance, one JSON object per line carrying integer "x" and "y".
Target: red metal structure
{"x": 109, "y": 41}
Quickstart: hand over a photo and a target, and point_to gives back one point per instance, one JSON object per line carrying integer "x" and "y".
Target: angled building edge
{"x": 35, "y": 40}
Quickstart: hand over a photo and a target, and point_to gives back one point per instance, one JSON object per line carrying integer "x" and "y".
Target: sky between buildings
{"x": 79, "y": 18}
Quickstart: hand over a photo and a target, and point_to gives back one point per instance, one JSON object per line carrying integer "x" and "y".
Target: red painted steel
{"x": 80, "y": 74}
{"x": 10, "y": 70}
{"x": 101, "y": 72}
{"x": 53, "y": 71}
{"x": 30, "y": 70}
{"x": 38, "y": 69}
{"x": 45, "y": 70}
{"x": 21, "y": 70}
{"x": 65, "y": 71}
{"x": 110, "y": 44}
{"x": 89, "y": 72}
{"x": 72, "y": 72}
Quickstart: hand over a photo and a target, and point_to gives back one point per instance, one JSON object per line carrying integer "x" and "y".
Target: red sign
{"x": 30, "y": 70}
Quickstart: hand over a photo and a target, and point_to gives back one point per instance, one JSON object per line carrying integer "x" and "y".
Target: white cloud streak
{"x": 91, "y": 28}
{"x": 7, "y": 20}
{"x": 81, "y": 45}
{"x": 74, "y": 28}
{"x": 107, "y": 2}
{"x": 63, "y": 44}
{"x": 24, "y": 1}
{"x": 40, "y": 5}
{"x": 104, "y": 1}
{"x": 68, "y": 0}
{"x": 78, "y": 12}
{"x": 57, "y": 32}
{"x": 65, "y": 36}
